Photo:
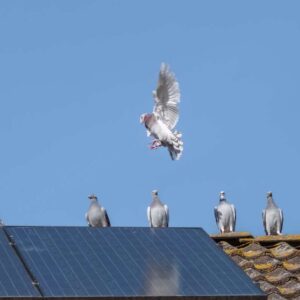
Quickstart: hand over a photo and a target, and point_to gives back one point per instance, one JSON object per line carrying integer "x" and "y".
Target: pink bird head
{"x": 144, "y": 118}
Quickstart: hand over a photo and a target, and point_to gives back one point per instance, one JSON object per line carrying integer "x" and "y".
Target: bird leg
{"x": 155, "y": 144}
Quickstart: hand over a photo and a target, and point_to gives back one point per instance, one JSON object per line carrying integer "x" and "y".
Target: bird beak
{"x": 142, "y": 118}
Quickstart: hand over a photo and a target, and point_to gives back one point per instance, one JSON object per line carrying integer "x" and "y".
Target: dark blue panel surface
{"x": 14, "y": 280}
{"x": 83, "y": 261}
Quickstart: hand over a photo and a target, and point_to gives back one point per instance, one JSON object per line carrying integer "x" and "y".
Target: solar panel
{"x": 14, "y": 280}
{"x": 116, "y": 261}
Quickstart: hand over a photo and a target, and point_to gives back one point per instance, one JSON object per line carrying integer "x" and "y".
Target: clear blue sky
{"x": 76, "y": 75}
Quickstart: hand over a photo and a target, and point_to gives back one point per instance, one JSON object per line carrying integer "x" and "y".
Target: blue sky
{"x": 76, "y": 75}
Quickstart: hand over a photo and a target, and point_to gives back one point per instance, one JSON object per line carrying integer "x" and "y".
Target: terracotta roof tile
{"x": 266, "y": 263}
{"x": 283, "y": 251}
{"x": 243, "y": 263}
{"x": 267, "y": 287}
{"x": 297, "y": 276}
{"x": 292, "y": 264}
{"x": 230, "y": 250}
{"x": 278, "y": 276}
{"x": 275, "y": 296}
{"x": 272, "y": 261}
{"x": 291, "y": 288}
{"x": 253, "y": 274}
{"x": 253, "y": 250}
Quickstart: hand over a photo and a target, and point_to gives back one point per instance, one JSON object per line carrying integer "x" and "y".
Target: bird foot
{"x": 155, "y": 144}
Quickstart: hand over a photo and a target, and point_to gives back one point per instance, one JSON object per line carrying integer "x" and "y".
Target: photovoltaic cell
{"x": 116, "y": 261}
{"x": 14, "y": 280}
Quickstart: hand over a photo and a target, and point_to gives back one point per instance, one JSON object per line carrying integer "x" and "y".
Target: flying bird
{"x": 161, "y": 122}
{"x": 96, "y": 215}
{"x": 157, "y": 212}
{"x": 272, "y": 217}
{"x": 225, "y": 215}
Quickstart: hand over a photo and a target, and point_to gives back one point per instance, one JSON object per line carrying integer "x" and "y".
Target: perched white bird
{"x": 96, "y": 215}
{"x": 157, "y": 212}
{"x": 272, "y": 217}
{"x": 161, "y": 122}
{"x": 225, "y": 215}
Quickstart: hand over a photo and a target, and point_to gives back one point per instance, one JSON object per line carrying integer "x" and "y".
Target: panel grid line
{"x": 112, "y": 263}
{"x": 137, "y": 265}
{"x": 207, "y": 269}
{"x": 139, "y": 255}
{"x": 226, "y": 261}
{"x": 166, "y": 256}
{"x": 192, "y": 266}
{"x": 129, "y": 262}
{"x": 28, "y": 254}
{"x": 82, "y": 269}
{"x": 14, "y": 278}
{"x": 95, "y": 257}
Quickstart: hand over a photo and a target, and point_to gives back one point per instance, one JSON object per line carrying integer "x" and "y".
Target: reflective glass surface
{"x": 14, "y": 280}
{"x": 121, "y": 261}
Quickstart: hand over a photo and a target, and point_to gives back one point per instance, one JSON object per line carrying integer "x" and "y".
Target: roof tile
{"x": 279, "y": 276}
{"x": 283, "y": 251}
{"x": 292, "y": 264}
{"x": 229, "y": 249}
{"x": 253, "y": 250}
{"x": 275, "y": 296}
{"x": 291, "y": 288}
{"x": 266, "y": 263}
{"x": 267, "y": 287}
{"x": 253, "y": 274}
{"x": 273, "y": 262}
{"x": 243, "y": 263}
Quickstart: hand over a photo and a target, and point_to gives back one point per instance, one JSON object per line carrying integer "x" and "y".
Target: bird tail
{"x": 176, "y": 148}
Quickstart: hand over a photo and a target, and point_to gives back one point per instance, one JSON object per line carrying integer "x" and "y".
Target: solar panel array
{"x": 14, "y": 280}
{"x": 116, "y": 262}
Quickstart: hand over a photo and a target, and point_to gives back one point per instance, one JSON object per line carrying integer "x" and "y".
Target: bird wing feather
{"x": 149, "y": 215}
{"x": 167, "y": 97}
{"x": 281, "y": 219}
{"x": 234, "y": 216}
{"x": 167, "y": 214}
{"x": 106, "y": 218}
{"x": 87, "y": 219}
{"x": 264, "y": 220}
{"x": 216, "y": 214}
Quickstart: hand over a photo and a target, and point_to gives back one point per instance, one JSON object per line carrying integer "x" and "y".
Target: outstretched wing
{"x": 167, "y": 97}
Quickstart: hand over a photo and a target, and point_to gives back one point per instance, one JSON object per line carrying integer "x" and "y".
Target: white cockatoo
{"x": 161, "y": 122}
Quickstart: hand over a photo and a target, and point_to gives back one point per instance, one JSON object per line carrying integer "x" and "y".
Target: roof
{"x": 121, "y": 262}
{"x": 271, "y": 261}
